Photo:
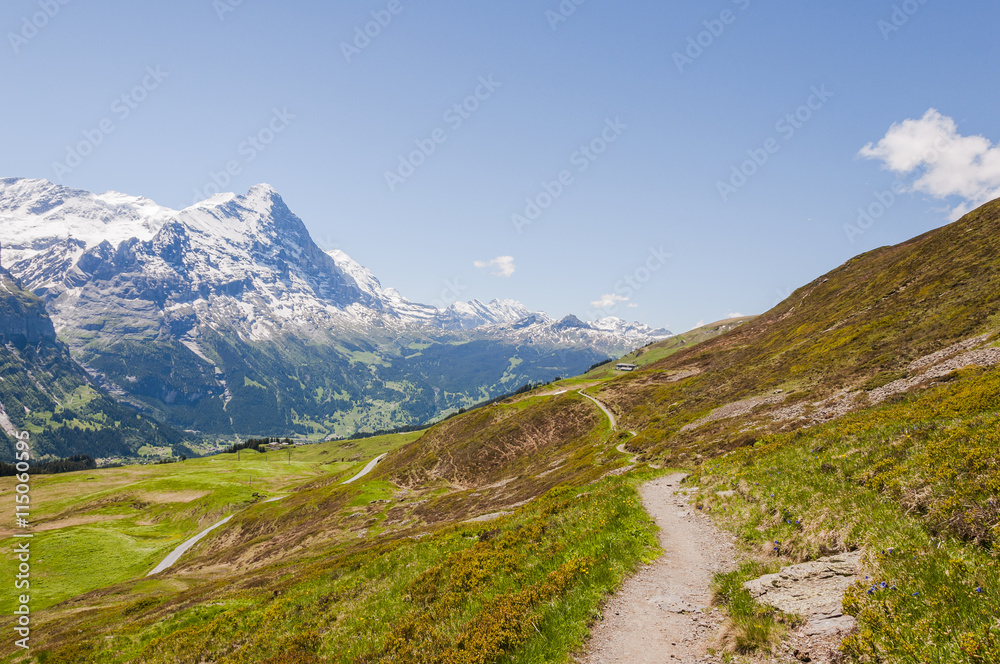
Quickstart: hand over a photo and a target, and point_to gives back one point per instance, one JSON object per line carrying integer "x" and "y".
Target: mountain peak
{"x": 39, "y": 215}
{"x": 249, "y": 256}
{"x": 570, "y": 322}
{"x": 214, "y": 201}
{"x": 262, "y": 189}
{"x": 261, "y": 198}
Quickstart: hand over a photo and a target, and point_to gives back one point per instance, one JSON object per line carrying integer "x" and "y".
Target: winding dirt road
{"x": 176, "y": 554}
{"x": 607, "y": 411}
{"x": 367, "y": 469}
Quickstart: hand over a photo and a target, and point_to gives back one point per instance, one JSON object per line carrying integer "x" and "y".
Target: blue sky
{"x": 636, "y": 225}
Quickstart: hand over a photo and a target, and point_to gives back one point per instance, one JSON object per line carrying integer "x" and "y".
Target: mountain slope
{"x": 226, "y": 317}
{"x": 853, "y": 337}
{"x": 301, "y": 580}
{"x": 43, "y": 392}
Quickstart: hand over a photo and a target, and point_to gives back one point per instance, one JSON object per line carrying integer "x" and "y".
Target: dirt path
{"x": 662, "y": 613}
{"x": 607, "y": 411}
{"x": 367, "y": 469}
{"x": 176, "y": 554}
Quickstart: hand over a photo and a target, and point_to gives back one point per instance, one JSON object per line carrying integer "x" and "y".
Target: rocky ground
{"x": 814, "y": 591}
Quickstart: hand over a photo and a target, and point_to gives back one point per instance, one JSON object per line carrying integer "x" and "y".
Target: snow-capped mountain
{"x": 184, "y": 311}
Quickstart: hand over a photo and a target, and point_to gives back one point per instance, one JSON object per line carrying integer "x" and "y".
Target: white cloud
{"x": 944, "y": 162}
{"x": 735, "y": 315}
{"x": 700, "y": 323}
{"x": 607, "y": 301}
{"x": 632, "y": 305}
{"x": 502, "y": 266}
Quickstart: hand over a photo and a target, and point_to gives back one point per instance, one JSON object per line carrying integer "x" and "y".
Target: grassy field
{"x": 523, "y": 586}
{"x": 100, "y": 527}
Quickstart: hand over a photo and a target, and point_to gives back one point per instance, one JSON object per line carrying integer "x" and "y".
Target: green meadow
{"x": 101, "y": 527}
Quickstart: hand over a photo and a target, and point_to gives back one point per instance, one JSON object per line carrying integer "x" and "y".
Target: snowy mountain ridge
{"x": 53, "y": 236}
{"x": 226, "y": 317}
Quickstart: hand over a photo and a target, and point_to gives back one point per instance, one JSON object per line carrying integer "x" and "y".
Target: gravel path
{"x": 367, "y": 469}
{"x": 176, "y": 554}
{"x": 662, "y": 613}
{"x": 611, "y": 416}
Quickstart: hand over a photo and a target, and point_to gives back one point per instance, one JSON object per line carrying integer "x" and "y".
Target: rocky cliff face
{"x": 23, "y": 319}
{"x": 43, "y": 390}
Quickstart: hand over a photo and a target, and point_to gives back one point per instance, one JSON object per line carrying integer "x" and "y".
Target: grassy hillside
{"x": 848, "y": 333}
{"x": 915, "y": 485}
{"x": 460, "y": 547}
{"x": 661, "y": 349}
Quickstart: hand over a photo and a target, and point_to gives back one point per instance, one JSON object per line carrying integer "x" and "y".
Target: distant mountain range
{"x": 226, "y": 317}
